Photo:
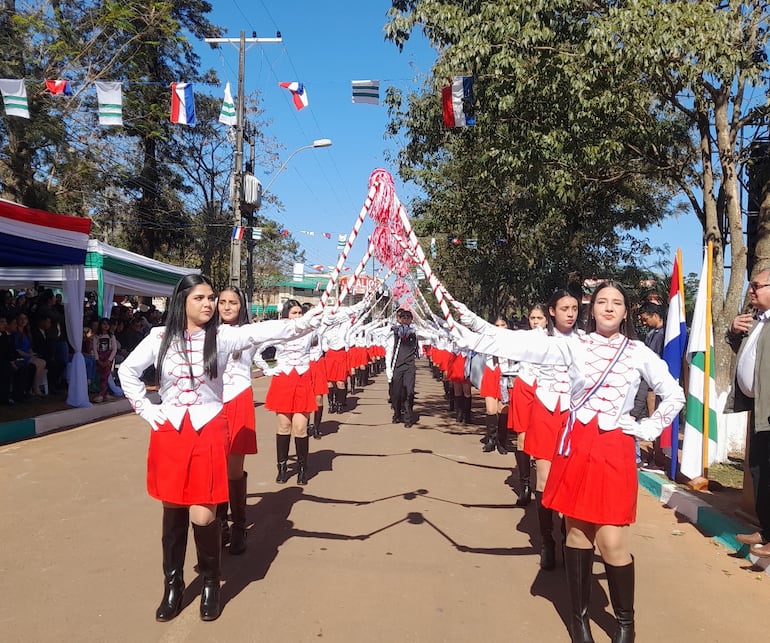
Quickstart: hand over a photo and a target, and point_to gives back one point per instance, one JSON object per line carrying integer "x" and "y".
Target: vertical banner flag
{"x": 700, "y": 356}
{"x": 457, "y": 100}
{"x": 298, "y": 272}
{"x": 14, "y": 97}
{"x": 110, "y": 97}
{"x": 182, "y": 104}
{"x": 366, "y": 91}
{"x": 341, "y": 239}
{"x": 227, "y": 115}
{"x": 674, "y": 345}
{"x": 237, "y": 233}
{"x": 298, "y": 94}
{"x": 256, "y": 234}
{"x": 433, "y": 247}
{"x": 59, "y": 87}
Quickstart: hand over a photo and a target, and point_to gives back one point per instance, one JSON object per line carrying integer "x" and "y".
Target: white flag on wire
{"x": 14, "y": 97}
{"x": 109, "y": 95}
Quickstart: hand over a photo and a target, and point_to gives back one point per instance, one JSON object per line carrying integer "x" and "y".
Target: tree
{"x": 273, "y": 257}
{"x": 555, "y": 168}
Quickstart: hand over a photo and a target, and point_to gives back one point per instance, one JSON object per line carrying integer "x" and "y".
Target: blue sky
{"x": 325, "y": 46}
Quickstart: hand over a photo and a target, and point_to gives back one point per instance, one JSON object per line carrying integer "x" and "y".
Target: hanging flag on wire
{"x": 14, "y": 97}
{"x": 700, "y": 355}
{"x": 457, "y": 101}
{"x": 61, "y": 87}
{"x": 318, "y": 267}
{"x": 298, "y": 274}
{"x": 298, "y": 94}
{"x": 182, "y": 104}
{"x": 256, "y": 234}
{"x": 341, "y": 239}
{"x": 227, "y": 114}
{"x": 433, "y": 247}
{"x": 472, "y": 244}
{"x": 674, "y": 345}
{"x": 237, "y": 232}
{"x": 109, "y": 94}
{"x": 366, "y": 91}
{"x": 327, "y": 235}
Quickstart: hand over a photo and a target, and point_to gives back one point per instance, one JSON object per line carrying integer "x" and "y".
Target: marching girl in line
{"x": 320, "y": 381}
{"x": 241, "y": 422}
{"x": 522, "y": 396}
{"x": 187, "y": 456}
{"x": 291, "y": 397}
{"x": 593, "y": 478}
{"x": 460, "y": 383}
{"x": 496, "y": 429}
{"x": 337, "y": 367}
{"x": 548, "y": 415}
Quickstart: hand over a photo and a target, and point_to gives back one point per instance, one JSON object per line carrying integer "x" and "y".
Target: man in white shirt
{"x": 750, "y": 335}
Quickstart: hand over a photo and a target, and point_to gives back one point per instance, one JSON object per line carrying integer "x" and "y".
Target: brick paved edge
{"x": 714, "y": 523}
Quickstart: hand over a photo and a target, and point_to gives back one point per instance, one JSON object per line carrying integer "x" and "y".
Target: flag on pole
{"x": 109, "y": 94}
{"x": 227, "y": 114}
{"x": 457, "y": 101}
{"x": 182, "y": 104}
{"x": 674, "y": 345}
{"x": 366, "y": 91}
{"x": 298, "y": 94}
{"x": 700, "y": 357}
{"x": 59, "y": 87}
{"x": 14, "y": 97}
{"x": 237, "y": 232}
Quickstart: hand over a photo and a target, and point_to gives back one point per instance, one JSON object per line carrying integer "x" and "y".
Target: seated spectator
{"x": 45, "y": 346}
{"x": 22, "y": 338}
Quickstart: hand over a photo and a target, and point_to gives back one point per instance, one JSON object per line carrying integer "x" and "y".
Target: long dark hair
{"x": 243, "y": 315}
{"x": 626, "y": 328}
{"x": 561, "y": 293}
{"x": 176, "y": 324}
{"x": 291, "y": 303}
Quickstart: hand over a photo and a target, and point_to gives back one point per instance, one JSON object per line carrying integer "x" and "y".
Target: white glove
{"x": 153, "y": 414}
{"x": 470, "y": 319}
{"x": 310, "y": 320}
{"x": 645, "y": 429}
{"x": 271, "y": 371}
{"x": 334, "y": 318}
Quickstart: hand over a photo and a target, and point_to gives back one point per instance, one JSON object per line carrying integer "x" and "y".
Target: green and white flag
{"x": 366, "y": 91}
{"x": 14, "y": 97}
{"x": 698, "y": 351}
{"x": 227, "y": 115}
{"x": 109, "y": 95}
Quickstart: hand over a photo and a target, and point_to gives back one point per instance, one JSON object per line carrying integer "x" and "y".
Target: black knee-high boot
{"x": 450, "y": 393}
{"x": 208, "y": 545}
{"x": 238, "y": 509}
{"x": 176, "y": 522}
{"x": 548, "y": 544}
{"x": 468, "y": 407}
{"x": 317, "y": 416}
{"x": 459, "y": 401}
{"x": 282, "y": 455}
{"x": 302, "y": 447}
{"x": 524, "y": 465}
{"x": 490, "y": 434}
{"x": 578, "y": 564}
{"x": 342, "y": 399}
{"x": 222, "y": 517}
{"x": 621, "y": 584}
{"x": 332, "y": 397}
{"x": 502, "y": 433}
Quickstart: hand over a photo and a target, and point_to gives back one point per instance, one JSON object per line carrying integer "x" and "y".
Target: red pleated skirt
{"x": 520, "y": 410}
{"x": 241, "y": 423}
{"x": 456, "y": 372}
{"x": 292, "y": 393}
{"x": 543, "y": 430}
{"x": 189, "y": 467}
{"x": 337, "y": 365}
{"x": 320, "y": 378}
{"x": 490, "y": 383}
{"x": 357, "y": 357}
{"x": 598, "y": 481}
{"x": 441, "y": 358}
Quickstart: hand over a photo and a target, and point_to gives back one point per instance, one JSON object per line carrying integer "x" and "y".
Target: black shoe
{"x": 209, "y": 551}
{"x": 302, "y": 474}
{"x": 526, "y": 494}
{"x": 501, "y": 449}
{"x": 176, "y": 523}
{"x": 396, "y": 419}
{"x": 408, "y": 424}
{"x": 283, "y": 472}
{"x": 489, "y": 446}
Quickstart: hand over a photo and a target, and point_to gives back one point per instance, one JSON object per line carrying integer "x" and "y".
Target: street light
{"x": 319, "y": 142}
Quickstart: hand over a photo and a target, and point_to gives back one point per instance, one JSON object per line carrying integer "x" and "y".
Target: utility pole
{"x": 235, "y": 244}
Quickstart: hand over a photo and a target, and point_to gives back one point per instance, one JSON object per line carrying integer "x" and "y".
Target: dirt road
{"x": 401, "y": 535}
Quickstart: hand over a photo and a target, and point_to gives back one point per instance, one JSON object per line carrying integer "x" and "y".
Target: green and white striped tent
{"x": 120, "y": 272}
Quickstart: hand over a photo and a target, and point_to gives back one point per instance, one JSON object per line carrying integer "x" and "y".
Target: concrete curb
{"x": 66, "y": 419}
{"x": 720, "y": 527}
